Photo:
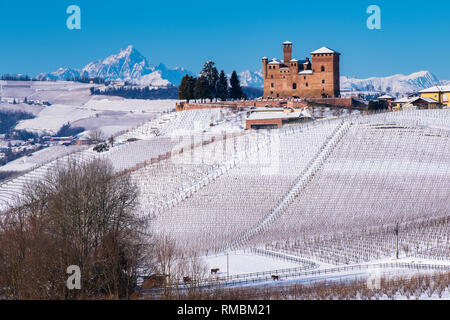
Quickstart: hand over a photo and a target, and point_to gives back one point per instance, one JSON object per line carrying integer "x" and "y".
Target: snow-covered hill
{"x": 128, "y": 65}
{"x": 397, "y": 84}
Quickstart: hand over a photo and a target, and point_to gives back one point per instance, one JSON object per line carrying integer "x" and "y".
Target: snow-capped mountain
{"x": 397, "y": 84}
{"x": 174, "y": 75}
{"x": 128, "y": 65}
{"x": 60, "y": 74}
{"x": 251, "y": 78}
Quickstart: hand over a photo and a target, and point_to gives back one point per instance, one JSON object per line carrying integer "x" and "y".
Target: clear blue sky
{"x": 235, "y": 34}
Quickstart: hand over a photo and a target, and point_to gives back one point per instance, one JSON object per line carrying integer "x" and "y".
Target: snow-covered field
{"x": 40, "y": 157}
{"x": 330, "y": 191}
{"x": 242, "y": 262}
{"x": 72, "y": 102}
{"x": 98, "y": 103}
{"x": 53, "y": 117}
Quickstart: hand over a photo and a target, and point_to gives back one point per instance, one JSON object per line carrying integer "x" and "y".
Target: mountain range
{"x": 397, "y": 85}
{"x": 128, "y": 65}
{"x": 131, "y": 66}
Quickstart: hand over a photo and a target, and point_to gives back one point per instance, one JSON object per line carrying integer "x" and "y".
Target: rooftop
{"x": 275, "y": 61}
{"x": 436, "y": 89}
{"x": 414, "y": 99}
{"x": 274, "y": 115}
{"x": 324, "y": 50}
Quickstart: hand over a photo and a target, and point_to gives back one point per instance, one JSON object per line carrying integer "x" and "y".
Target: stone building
{"x": 317, "y": 77}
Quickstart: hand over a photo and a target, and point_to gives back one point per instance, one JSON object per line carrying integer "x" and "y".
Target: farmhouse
{"x": 274, "y": 117}
{"x": 415, "y": 103}
{"x": 317, "y": 77}
{"x": 441, "y": 94}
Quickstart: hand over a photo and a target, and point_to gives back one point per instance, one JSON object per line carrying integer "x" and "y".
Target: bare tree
{"x": 80, "y": 214}
{"x": 96, "y": 136}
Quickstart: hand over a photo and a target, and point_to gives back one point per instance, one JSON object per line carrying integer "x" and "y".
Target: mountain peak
{"x": 129, "y": 51}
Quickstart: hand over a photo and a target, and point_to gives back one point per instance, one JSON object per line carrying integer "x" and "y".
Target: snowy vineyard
{"x": 328, "y": 190}
{"x": 338, "y": 177}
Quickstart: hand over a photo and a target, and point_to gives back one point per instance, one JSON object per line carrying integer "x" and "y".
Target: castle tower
{"x": 287, "y": 52}
{"x": 264, "y": 67}
{"x": 325, "y": 64}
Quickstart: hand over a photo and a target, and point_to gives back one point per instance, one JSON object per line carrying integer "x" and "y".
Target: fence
{"x": 300, "y": 272}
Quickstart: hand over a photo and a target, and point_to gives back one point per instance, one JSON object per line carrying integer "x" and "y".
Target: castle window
{"x": 307, "y": 84}
{"x": 272, "y": 84}
{"x": 322, "y": 68}
{"x": 304, "y": 77}
{"x": 323, "y": 81}
{"x": 294, "y": 86}
{"x": 271, "y": 76}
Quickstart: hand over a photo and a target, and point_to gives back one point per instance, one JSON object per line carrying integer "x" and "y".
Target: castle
{"x": 318, "y": 77}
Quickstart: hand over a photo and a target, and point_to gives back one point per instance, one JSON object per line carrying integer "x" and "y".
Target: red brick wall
{"x": 249, "y": 123}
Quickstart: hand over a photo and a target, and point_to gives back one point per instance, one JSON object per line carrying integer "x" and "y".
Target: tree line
{"x": 15, "y": 77}
{"x": 211, "y": 85}
{"x": 138, "y": 93}
{"x": 9, "y": 119}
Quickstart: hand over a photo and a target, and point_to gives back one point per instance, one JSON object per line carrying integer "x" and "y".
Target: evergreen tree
{"x": 209, "y": 71}
{"x": 222, "y": 87}
{"x": 201, "y": 90}
{"x": 183, "y": 89}
{"x": 236, "y": 89}
{"x": 192, "y": 81}
{"x": 186, "y": 88}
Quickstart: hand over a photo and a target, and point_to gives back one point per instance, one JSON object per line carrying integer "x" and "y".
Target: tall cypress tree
{"x": 222, "y": 87}
{"x": 209, "y": 71}
{"x": 236, "y": 89}
{"x": 183, "y": 89}
{"x": 201, "y": 89}
{"x": 191, "y": 85}
{"x": 186, "y": 88}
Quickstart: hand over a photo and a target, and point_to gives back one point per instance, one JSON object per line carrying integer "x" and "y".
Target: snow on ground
{"x": 109, "y": 115}
{"x": 246, "y": 262}
{"x": 57, "y": 92}
{"x": 53, "y": 117}
{"x": 99, "y": 103}
{"x": 33, "y": 109}
{"x": 113, "y": 122}
{"x": 72, "y": 102}
{"x": 40, "y": 157}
